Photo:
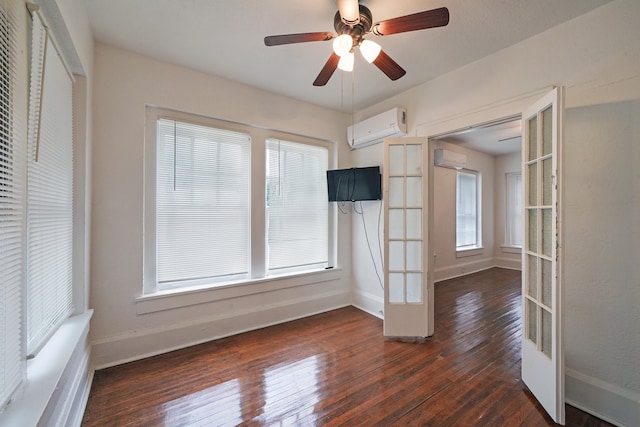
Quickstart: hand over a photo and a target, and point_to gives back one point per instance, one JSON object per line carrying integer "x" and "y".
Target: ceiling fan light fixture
{"x": 346, "y": 62}
{"x": 352, "y": 23}
{"x": 342, "y": 44}
{"x": 370, "y": 50}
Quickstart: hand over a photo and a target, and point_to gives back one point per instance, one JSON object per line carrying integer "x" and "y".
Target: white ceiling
{"x": 225, "y": 38}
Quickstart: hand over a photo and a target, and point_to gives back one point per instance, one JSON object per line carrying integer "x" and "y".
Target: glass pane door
{"x": 406, "y": 311}
{"x": 542, "y": 358}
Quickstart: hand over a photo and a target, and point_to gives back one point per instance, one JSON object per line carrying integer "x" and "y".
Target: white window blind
{"x": 12, "y": 191}
{"x": 466, "y": 210}
{"x": 50, "y": 189}
{"x": 297, "y": 213}
{"x": 515, "y": 207}
{"x": 202, "y": 204}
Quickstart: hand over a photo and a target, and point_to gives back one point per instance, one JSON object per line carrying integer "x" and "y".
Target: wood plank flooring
{"x": 337, "y": 369}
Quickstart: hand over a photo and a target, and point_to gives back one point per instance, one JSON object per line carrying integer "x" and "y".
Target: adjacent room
{"x": 447, "y": 185}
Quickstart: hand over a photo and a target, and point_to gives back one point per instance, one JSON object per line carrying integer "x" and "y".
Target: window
{"x": 202, "y": 204}
{"x": 296, "y": 189}
{"x": 514, "y": 226}
{"x": 214, "y": 215}
{"x": 49, "y": 217}
{"x": 49, "y": 191}
{"x": 12, "y": 228}
{"x": 467, "y": 210}
{"x": 36, "y": 184}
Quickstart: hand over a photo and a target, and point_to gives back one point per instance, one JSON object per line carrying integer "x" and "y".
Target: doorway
{"x": 542, "y": 121}
{"x": 491, "y": 152}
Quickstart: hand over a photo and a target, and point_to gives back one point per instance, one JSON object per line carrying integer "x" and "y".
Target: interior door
{"x": 542, "y": 350}
{"x": 408, "y": 290}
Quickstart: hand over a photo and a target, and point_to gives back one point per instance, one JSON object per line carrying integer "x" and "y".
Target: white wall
{"x": 597, "y": 58}
{"x": 124, "y": 83}
{"x": 447, "y": 262}
{"x": 503, "y": 256}
{"x": 368, "y": 278}
{"x": 601, "y": 220}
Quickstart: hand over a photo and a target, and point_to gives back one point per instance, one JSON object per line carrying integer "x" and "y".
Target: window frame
{"x": 258, "y": 280}
{"x": 463, "y": 250}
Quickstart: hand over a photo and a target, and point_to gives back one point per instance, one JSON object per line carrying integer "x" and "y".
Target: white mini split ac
{"x": 392, "y": 123}
{"x": 449, "y": 159}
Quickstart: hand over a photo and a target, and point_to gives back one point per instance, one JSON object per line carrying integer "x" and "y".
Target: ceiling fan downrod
{"x": 349, "y": 12}
{"x": 356, "y": 31}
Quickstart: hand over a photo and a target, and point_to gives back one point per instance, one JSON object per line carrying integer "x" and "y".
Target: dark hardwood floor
{"x": 337, "y": 369}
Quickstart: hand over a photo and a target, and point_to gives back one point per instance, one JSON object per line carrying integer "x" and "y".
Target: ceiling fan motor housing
{"x": 357, "y": 31}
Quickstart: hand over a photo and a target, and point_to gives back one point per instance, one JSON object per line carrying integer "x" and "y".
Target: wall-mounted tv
{"x": 355, "y": 184}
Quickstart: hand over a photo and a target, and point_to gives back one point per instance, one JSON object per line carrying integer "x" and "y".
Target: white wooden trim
{"x": 480, "y": 116}
{"x": 510, "y": 263}
{"x": 369, "y": 303}
{"x": 168, "y": 300}
{"x": 459, "y": 270}
{"x": 607, "y": 401}
{"x": 46, "y": 372}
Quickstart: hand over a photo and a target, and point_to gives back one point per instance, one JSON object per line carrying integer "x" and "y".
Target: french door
{"x": 408, "y": 290}
{"x": 542, "y": 350}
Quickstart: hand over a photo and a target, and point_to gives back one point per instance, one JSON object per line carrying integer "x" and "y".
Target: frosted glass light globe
{"x": 370, "y": 50}
{"x": 346, "y": 62}
{"x": 342, "y": 44}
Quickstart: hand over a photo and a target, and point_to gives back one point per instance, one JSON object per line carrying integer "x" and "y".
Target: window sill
{"x": 44, "y": 373}
{"x": 463, "y": 253}
{"x": 511, "y": 249}
{"x": 176, "y": 298}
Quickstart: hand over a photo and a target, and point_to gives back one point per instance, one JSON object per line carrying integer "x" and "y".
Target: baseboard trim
{"x": 509, "y": 263}
{"x": 140, "y": 344}
{"x": 609, "y": 402}
{"x": 459, "y": 270}
{"x": 369, "y": 303}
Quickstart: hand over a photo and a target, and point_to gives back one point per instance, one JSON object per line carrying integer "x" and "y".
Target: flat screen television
{"x": 355, "y": 184}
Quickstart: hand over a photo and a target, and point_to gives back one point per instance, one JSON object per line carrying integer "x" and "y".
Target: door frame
{"x": 511, "y": 108}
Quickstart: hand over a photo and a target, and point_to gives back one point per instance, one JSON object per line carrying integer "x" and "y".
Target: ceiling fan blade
{"x": 389, "y": 66}
{"x": 327, "y": 71}
{"x": 417, "y": 21}
{"x": 297, "y": 38}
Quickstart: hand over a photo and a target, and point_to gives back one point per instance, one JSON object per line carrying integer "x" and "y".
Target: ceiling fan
{"x": 352, "y": 23}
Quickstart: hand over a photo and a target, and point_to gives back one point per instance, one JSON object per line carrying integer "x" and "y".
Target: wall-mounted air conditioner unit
{"x": 392, "y": 123}
{"x": 449, "y": 159}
